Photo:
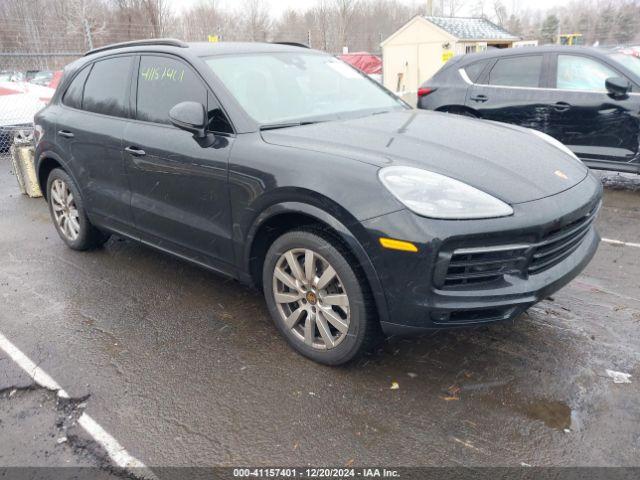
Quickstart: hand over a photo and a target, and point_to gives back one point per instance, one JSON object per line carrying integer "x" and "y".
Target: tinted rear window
{"x": 517, "y": 71}
{"x": 106, "y": 88}
{"x": 73, "y": 95}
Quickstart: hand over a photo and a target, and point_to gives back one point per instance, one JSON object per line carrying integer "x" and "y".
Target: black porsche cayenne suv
{"x": 587, "y": 98}
{"x": 287, "y": 169}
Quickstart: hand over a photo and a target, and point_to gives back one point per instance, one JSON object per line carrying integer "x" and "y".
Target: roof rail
{"x": 172, "y": 42}
{"x": 292, "y": 44}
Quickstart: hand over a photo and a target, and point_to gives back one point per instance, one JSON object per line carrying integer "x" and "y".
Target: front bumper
{"x": 416, "y": 298}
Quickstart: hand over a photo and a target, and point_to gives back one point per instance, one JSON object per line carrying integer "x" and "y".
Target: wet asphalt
{"x": 184, "y": 368}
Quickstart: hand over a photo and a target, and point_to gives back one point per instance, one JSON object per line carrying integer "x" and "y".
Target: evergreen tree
{"x": 514, "y": 25}
{"x": 549, "y": 30}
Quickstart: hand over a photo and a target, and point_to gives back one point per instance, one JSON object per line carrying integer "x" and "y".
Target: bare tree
{"x": 158, "y": 13}
{"x": 322, "y": 17}
{"x": 202, "y": 20}
{"x": 500, "y": 12}
{"x": 292, "y": 26}
{"x": 452, "y": 7}
{"x": 345, "y": 12}
{"x": 257, "y": 20}
{"x": 34, "y": 26}
{"x": 478, "y": 9}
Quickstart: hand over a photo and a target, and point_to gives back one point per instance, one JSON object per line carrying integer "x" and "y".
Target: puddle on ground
{"x": 553, "y": 413}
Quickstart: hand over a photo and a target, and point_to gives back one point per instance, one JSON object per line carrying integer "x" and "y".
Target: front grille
{"x": 484, "y": 265}
{"x": 560, "y": 243}
{"x": 474, "y": 266}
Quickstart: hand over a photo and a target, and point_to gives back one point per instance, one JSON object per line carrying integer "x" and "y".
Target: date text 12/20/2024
{"x": 315, "y": 473}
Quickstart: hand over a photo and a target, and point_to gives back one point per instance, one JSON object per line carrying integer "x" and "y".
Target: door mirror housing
{"x": 192, "y": 117}
{"x": 617, "y": 87}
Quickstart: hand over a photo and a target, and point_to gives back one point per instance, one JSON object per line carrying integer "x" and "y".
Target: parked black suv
{"x": 587, "y": 98}
{"x": 287, "y": 169}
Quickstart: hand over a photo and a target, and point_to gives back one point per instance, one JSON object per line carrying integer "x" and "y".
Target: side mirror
{"x": 190, "y": 116}
{"x": 617, "y": 87}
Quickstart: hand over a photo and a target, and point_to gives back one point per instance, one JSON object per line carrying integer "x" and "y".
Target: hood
{"x": 503, "y": 160}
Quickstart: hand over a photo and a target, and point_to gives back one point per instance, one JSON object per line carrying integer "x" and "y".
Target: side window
{"x": 73, "y": 96}
{"x": 107, "y": 87}
{"x": 164, "y": 82}
{"x": 582, "y": 73}
{"x": 521, "y": 71}
{"x": 217, "y": 120}
{"x": 475, "y": 69}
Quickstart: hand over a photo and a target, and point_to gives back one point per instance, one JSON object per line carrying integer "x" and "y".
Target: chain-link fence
{"x": 27, "y": 82}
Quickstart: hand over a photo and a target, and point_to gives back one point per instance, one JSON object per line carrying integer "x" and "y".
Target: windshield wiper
{"x": 274, "y": 126}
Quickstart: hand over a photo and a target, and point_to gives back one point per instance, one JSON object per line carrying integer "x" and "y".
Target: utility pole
{"x": 430, "y": 8}
{"x": 309, "y": 38}
{"x": 87, "y": 33}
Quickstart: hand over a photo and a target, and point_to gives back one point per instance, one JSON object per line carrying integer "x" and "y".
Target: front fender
{"x": 354, "y": 235}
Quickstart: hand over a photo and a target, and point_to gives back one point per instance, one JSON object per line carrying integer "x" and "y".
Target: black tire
{"x": 89, "y": 237}
{"x": 363, "y": 327}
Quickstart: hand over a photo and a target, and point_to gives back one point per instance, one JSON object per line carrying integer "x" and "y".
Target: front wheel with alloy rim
{"x": 68, "y": 214}
{"x": 318, "y": 300}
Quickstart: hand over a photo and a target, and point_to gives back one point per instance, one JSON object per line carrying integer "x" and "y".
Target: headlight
{"x": 554, "y": 142}
{"x": 436, "y": 196}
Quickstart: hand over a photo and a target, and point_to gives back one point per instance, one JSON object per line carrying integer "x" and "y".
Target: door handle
{"x": 136, "y": 152}
{"x": 561, "y": 107}
{"x": 480, "y": 98}
{"x": 65, "y": 133}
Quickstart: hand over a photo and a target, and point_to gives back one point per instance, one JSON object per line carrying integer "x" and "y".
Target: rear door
{"x": 601, "y": 129}
{"x": 90, "y": 129}
{"x": 511, "y": 91}
{"x": 447, "y": 89}
{"x": 179, "y": 188}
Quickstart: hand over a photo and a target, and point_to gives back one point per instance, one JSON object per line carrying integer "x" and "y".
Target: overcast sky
{"x": 278, "y": 6}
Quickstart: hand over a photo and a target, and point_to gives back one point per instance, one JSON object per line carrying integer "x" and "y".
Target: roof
{"x": 224, "y": 48}
{"x": 469, "y": 28}
{"x": 200, "y": 49}
{"x": 468, "y": 58}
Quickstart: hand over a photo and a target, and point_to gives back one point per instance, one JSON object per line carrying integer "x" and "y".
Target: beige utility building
{"x": 422, "y": 45}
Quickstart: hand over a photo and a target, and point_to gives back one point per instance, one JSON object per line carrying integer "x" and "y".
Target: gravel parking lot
{"x": 184, "y": 368}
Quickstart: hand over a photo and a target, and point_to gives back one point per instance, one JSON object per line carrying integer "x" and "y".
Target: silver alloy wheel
{"x": 311, "y": 299}
{"x": 64, "y": 210}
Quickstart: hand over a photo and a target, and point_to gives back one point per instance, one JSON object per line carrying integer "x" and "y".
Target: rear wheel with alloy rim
{"x": 317, "y": 298}
{"x": 65, "y": 212}
{"x": 68, "y": 214}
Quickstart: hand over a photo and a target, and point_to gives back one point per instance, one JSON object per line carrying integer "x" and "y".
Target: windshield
{"x": 632, "y": 63}
{"x": 290, "y": 87}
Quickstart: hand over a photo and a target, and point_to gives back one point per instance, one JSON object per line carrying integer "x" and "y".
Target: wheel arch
{"x": 47, "y": 161}
{"x": 287, "y": 215}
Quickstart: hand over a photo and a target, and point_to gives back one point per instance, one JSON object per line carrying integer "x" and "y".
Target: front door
{"x": 599, "y": 128}
{"x": 179, "y": 192}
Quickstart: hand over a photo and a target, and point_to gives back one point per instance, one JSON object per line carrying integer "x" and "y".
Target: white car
{"x": 19, "y": 102}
